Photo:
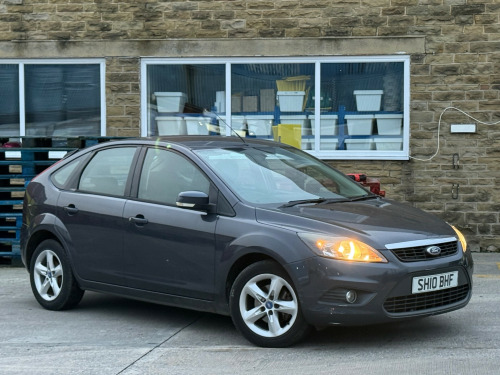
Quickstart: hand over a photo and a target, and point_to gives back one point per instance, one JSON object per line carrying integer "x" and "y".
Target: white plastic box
{"x": 170, "y": 101}
{"x": 368, "y": 100}
{"x": 260, "y": 124}
{"x": 220, "y": 101}
{"x": 197, "y": 125}
{"x": 291, "y": 101}
{"x": 327, "y": 123}
{"x": 237, "y": 122}
{"x": 171, "y": 125}
{"x": 359, "y": 144}
{"x": 359, "y": 124}
{"x": 328, "y": 144}
{"x": 389, "y": 124}
{"x": 389, "y": 144}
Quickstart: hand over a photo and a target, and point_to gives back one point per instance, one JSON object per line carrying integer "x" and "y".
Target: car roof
{"x": 200, "y": 142}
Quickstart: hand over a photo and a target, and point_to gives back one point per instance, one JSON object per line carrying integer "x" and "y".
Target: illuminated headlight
{"x": 341, "y": 248}
{"x": 461, "y": 238}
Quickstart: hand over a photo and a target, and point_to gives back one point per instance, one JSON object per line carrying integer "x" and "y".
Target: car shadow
{"x": 213, "y": 325}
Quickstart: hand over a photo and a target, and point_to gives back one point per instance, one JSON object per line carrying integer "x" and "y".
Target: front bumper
{"x": 384, "y": 290}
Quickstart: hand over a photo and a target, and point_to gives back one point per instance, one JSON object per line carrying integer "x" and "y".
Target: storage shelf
{"x": 18, "y": 165}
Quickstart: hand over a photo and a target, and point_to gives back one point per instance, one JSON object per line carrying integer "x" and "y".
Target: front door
{"x": 169, "y": 249}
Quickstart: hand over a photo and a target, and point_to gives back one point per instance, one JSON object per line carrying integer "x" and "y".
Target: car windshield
{"x": 275, "y": 175}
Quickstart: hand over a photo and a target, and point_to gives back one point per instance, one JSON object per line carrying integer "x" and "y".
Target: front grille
{"x": 418, "y": 253}
{"x": 424, "y": 301}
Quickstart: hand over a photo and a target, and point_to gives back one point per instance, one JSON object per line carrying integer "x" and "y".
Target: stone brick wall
{"x": 459, "y": 67}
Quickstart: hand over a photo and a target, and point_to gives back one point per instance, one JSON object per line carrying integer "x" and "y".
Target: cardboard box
{"x": 250, "y": 104}
{"x": 267, "y": 100}
{"x": 236, "y": 103}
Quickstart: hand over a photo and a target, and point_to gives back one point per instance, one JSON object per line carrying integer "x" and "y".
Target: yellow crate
{"x": 290, "y": 134}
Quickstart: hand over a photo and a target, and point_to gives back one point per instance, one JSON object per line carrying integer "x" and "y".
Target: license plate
{"x": 431, "y": 283}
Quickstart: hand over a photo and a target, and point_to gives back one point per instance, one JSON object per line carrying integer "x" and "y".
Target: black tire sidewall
{"x": 70, "y": 293}
{"x": 299, "y": 329}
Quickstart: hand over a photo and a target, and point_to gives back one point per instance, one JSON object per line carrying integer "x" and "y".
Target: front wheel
{"x": 265, "y": 308}
{"x": 51, "y": 277}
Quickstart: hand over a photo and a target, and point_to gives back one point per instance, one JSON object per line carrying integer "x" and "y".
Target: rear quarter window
{"x": 61, "y": 177}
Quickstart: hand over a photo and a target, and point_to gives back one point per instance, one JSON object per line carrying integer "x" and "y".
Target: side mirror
{"x": 194, "y": 200}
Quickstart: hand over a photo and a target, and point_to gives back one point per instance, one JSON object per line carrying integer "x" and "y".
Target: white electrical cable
{"x": 439, "y": 129}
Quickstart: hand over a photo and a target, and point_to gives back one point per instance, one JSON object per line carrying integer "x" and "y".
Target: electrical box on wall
{"x": 463, "y": 128}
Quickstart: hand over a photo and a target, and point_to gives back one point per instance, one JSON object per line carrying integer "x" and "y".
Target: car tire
{"x": 265, "y": 308}
{"x": 51, "y": 277}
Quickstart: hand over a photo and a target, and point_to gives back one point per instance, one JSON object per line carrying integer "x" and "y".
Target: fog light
{"x": 351, "y": 296}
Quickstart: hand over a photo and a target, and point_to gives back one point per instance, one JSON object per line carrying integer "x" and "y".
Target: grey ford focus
{"x": 249, "y": 228}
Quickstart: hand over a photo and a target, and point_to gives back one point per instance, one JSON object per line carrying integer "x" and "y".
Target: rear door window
{"x": 107, "y": 173}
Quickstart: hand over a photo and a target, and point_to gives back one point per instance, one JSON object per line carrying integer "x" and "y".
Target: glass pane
{"x": 165, "y": 174}
{"x": 274, "y": 175}
{"x": 179, "y": 97}
{"x": 273, "y": 101}
{"x": 361, "y": 106}
{"x": 60, "y": 178}
{"x": 63, "y": 100}
{"x": 9, "y": 100}
{"x": 108, "y": 171}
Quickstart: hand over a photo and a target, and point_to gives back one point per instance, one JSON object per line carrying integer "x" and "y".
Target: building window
{"x": 333, "y": 108}
{"x": 52, "y": 98}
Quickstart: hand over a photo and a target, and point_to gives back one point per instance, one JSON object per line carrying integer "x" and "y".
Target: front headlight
{"x": 341, "y": 248}
{"x": 461, "y": 238}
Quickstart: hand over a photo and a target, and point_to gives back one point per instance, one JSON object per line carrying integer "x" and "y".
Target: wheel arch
{"x": 36, "y": 239}
{"x": 254, "y": 256}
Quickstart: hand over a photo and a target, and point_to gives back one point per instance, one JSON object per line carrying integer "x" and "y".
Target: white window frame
{"x": 317, "y": 60}
{"x": 23, "y": 62}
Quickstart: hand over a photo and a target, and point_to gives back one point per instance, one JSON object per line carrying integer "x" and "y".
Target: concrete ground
{"x": 111, "y": 335}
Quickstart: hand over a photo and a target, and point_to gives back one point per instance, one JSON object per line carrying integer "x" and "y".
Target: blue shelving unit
{"x": 18, "y": 166}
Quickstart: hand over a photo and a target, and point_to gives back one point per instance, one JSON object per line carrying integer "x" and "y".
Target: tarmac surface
{"x": 111, "y": 335}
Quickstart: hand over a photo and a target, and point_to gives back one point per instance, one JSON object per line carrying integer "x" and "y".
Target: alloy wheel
{"x": 268, "y": 305}
{"x": 48, "y": 275}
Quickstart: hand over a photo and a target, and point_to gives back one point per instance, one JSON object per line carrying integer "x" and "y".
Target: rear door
{"x": 92, "y": 215}
{"x": 169, "y": 249}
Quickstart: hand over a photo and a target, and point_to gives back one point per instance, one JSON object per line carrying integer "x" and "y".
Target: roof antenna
{"x": 214, "y": 115}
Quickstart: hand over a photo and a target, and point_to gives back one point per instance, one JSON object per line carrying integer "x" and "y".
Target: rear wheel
{"x": 265, "y": 308}
{"x": 51, "y": 277}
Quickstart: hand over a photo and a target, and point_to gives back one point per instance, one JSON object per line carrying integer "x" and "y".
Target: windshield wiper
{"x": 314, "y": 201}
{"x": 303, "y": 201}
{"x": 363, "y": 197}
{"x": 328, "y": 200}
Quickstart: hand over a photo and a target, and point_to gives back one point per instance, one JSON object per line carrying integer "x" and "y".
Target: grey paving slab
{"x": 112, "y": 335}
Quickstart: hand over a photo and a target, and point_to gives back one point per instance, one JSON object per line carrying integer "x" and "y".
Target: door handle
{"x": 71, "y": 209}
{"x": 138, "y": 220}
